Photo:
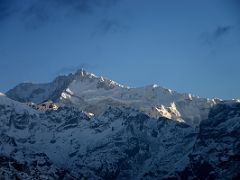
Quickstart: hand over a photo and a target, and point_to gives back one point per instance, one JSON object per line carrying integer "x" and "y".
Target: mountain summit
{"x": 95, "y": 94}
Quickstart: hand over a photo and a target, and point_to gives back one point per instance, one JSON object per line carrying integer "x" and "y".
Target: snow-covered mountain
{"x": 94, "y": 94}
{"x": 82, "y": 126}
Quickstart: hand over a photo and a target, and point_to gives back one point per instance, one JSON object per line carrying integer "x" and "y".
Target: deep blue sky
{"x": 185, "y": 45}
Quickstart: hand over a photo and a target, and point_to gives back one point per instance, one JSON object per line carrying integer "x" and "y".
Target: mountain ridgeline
{"x": 82, "y": 126}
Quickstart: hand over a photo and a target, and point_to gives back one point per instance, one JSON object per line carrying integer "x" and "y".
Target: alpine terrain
{"x": 81, "y": 126}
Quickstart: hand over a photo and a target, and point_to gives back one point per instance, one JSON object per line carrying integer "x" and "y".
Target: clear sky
{"x": 185, "y": 45}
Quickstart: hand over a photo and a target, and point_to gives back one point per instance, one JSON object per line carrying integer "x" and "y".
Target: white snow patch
{"x": 1, "y": 94}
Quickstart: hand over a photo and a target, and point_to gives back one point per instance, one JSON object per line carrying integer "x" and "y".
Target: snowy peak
{"x": 38, "y": 93}
{"x": 100, "y": 82}
{"x": 84, "y": 74}
{"x": 94, "y": 94}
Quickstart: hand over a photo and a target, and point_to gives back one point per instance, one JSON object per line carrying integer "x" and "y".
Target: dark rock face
{"x": 216, "y": 153}
{"x": 37, "y": 168}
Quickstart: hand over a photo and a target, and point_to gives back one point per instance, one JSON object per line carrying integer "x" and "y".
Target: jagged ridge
{"x": 122, "y": 143}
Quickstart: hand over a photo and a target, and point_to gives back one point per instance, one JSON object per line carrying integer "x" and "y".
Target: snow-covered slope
{"x": 94, "y": 94}
{"x": 122, "y": 143}
{"x": 15, "y": 105}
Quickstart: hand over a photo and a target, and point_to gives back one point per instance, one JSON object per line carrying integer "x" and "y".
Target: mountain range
{"x": 82, "y": 126}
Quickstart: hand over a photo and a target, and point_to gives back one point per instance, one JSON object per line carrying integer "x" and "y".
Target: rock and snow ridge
{"x": 94, "y": 94}
{"x": 122, "y": 141}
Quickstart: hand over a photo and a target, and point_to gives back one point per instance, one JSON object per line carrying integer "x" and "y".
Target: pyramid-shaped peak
{"x": 100, "y": 81}
{"x": 83, "y": 73}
